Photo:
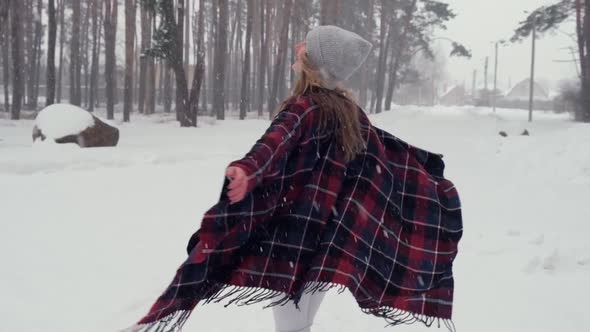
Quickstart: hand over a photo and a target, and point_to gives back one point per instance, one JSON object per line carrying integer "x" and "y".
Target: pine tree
{"x": 110, "y": 38}
{"x": 18, "y": 83}
{"x": 548, "y": 18}
{"x": 50, "y": 86}
{"x": 129, "y": 58}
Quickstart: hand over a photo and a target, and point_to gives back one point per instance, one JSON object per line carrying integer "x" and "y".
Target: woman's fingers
{"x": 230, "y": 172}
{"x": 238, "y": 184}
{"x": 237, "y": 189}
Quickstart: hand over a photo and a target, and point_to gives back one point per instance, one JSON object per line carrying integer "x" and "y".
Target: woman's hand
{"x": 238, "y": 185}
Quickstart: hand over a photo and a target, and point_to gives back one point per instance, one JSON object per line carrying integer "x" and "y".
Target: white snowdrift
{"x": 89, "y": 239}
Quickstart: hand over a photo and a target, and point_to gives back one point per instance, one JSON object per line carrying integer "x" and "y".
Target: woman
{"x": 324, "y": 199}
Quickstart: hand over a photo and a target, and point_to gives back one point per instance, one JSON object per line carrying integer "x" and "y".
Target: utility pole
{"x": 474, "y": 85}
{"x": 485, "y": 86}
{"x": 532, "y": 80}
{"x": 495, "y": 78}
{"x": 495, "y": 92}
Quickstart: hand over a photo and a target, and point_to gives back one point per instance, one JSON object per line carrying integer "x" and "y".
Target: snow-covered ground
{"x": 89, "y": 238}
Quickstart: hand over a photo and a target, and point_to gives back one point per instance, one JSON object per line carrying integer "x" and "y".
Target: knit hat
{"x": 337, "y": 53}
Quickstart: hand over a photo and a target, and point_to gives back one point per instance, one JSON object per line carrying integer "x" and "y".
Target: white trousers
{"x": 290, "y": 319}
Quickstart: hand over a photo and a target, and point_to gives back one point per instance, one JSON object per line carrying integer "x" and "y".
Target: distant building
{"x": 521, "y": 91}
{"x": 454, "y": 96}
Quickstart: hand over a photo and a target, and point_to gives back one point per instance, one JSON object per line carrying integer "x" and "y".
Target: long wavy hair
{"x": 338, "y": 113}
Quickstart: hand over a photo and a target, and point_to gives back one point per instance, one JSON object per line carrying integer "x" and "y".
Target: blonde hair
{"x": 338, "y": 109}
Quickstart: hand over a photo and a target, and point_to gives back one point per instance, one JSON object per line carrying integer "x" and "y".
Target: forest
{"x": 202, "y": 57}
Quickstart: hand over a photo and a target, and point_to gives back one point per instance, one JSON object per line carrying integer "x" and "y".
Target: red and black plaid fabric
{"x": 385, "y": 226}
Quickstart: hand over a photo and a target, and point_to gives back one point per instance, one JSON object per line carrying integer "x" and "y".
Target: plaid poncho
{"x": 385, "y": 226}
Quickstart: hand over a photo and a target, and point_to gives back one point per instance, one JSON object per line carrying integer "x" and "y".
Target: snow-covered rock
{"x": 64, "y": 123}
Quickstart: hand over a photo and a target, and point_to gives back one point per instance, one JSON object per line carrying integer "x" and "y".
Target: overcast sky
{"x": 479, "y": 23}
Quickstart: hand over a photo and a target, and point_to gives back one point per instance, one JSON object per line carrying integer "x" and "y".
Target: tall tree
{"x": 400, "y": 48}
{"x": 329, "y": 12}
{"x": 550, "y": 17}
{"x": 368, "y": 25}
{"x": 182, "y": 114}
{"x": 146, "y": 43}
{"x": 50, "y": 86}
{"x": 219, "y": 61}
{"x": 29, "y": 51}
{"x": 129, "y": 57}
{"x": 168, "y": 46}
{"x": 245, "y": 93}
{"x": 85, "y": 49}
{"x": 37, "y": 51}
{"x": 212, "y": 46}
{"x": 62, "y": 36}
{"x": 236, "y": 55}
{"x": 281, "y": 58}
{"x": 16, "y": 10}
{"x": 110, "y": 39}
{"x": 75, "y": 63}
{"x": 3, "y": 14}
{"x": 151, "y": 92}
{"x": 187, "y": 40}
{"x": 385, "y": 29}
{"x": 199, "y": 73}
{"x": 264, "y": 15}
{"x": 97, "y": 21}
{"x": 5, "y": 45}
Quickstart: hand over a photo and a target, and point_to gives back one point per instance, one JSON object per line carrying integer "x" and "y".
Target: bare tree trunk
{"x": 29, "y": 52}
{"x": 263, "y": 57}
{"x": 330, "y": 12}
{"x": 187, "y": 40}
{"x": 62, "y": 37}
{"x": 255, "y": 53}
{"x": 220, "y": 59}
{"x": 229, "y": 63}
{"x": 50, "y": 86}
{"x": 4, "y": 5}
{"x": 36, "y": 65}
{"x": 389, "y": 67}
{"x": 206, "y": 61}
{"x": 17, "y": 57}
{"x": 212, "y": 52}
{"x": 365, "y": 73}
{"x": 146, "y": 40}
{"x": 129, "y": 57}
{"x": 86, "y": 58}
{"x": 181, "y": 83}
{"x": 245, "y": 93}
{"x": 380, "y": 79}
{"x": 152, "y": 76}
{"x": 585, "y": 102}
{"x": 150, "y": 108}
{"x": 238, "y": 57}
{"x": 270, "y": 35}
{"x": 5, "y": 34}
{"x": 96, "y": 46}
{"x": 281, "y": 57}
{"x": 167, "y": 88}
{"x": 110, "y": 35}
{"x": 75, "y": 95}
{"x": 199, "y": 66}
{"x": 401, "y": 46}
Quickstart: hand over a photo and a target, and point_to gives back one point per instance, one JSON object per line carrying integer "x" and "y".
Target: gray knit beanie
{"x": 337, "y": 53}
